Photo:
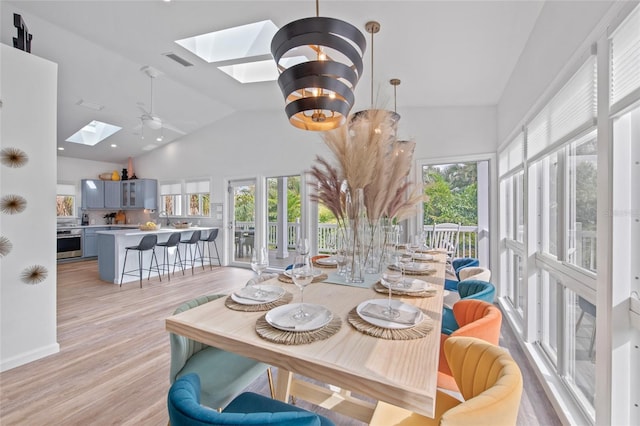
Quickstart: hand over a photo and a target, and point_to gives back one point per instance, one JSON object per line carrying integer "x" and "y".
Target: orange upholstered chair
{"x": 476, "y": 318}
{"x": 489, "y": 380}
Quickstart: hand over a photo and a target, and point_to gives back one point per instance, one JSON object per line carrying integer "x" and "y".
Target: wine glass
{"x": 392, "y": 277}
{"x": 302, "y": 246}
{"x": 413, "y": 246}
{"x": 302, "y": 275}
{"x": 259, "y": 262}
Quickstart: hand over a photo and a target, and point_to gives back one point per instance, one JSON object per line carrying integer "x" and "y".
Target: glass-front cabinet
{"x": 139, "y": 194}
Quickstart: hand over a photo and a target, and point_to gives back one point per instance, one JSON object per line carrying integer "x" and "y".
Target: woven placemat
{"x": 416, "y": 332}
{"x": 283, "y": 300}
{"x": 408, "y": 272}
{"x": 286, "y": 279}
{"x": 398, "y": 291}
{"x": 272, "y": 334}
{"x": 324, "y": 266}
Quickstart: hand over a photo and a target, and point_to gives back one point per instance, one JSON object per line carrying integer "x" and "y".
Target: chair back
{"x": 183, "y": 403}
{"x": 489, "y": 381}
{"x": 173, "y": 240}
{"x": 213, "y": 234}
{"x": 461, "y": 263}
{"x": 476, "y": 318}
{"x": 183, "y": 348}
{"x": 195, "y": 237}
{"x": 477, "y": 289}
{"x": 479, "y": 319}
{"x": 475, "y": 273}
{"x": 445, "y": 236}
{"x": 148, "y": 242}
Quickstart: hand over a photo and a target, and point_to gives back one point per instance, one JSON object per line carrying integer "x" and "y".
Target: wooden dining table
{"x": 400, "y": 372}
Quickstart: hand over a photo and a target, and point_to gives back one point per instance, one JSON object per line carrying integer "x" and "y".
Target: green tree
{"x": 452, "y": 192}
{"x": 245, "y": 201}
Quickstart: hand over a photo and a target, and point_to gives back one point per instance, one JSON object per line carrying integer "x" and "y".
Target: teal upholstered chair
{"x": 248, "y": 408}
{"x": 223, "y": 374}
{"x": 468, "y": 289}
{"x": 457, "y": 265}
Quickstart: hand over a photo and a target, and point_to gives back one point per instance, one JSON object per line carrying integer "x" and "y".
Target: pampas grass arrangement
{"x": 367, "y": 155}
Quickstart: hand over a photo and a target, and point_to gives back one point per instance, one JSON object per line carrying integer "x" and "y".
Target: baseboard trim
{"x": 27, "y": 357}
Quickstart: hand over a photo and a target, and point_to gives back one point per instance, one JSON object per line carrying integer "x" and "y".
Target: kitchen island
{"x": 112, "y": 244}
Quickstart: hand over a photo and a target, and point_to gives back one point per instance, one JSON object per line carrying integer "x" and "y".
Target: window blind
{"x": 65, "y": 189}
{"x": 512, "y": 155}
{"x": 625, "y": 62}
{"x": 198, "y": 187}
{"x": 170, "y": 189}
{"x": 572, "y": 109}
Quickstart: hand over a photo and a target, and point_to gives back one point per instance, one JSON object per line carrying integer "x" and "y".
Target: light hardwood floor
{"x": 113, "y": 364}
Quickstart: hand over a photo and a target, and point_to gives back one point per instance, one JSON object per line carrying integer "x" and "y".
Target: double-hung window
{"x": 171, "y": 198}
{"x": 199, "y": 198}
{"x": 65, "y": 200}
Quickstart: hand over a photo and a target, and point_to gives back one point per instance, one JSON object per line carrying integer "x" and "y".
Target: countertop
{"x": 95, "y": 226}
{"x": 163, "y": 230}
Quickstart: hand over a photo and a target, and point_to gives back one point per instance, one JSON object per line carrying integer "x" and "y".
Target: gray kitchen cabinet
{"x": 139, "y": 194}
{"x": 92, "y": 193}
{"x": 112, "y": 191}
{"x": 90, "y": 242}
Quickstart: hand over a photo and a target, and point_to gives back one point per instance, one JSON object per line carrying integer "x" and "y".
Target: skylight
{"x": 93, "y": 133}
{"x": 254, "y": 72}
{"x": 243, "y": 42}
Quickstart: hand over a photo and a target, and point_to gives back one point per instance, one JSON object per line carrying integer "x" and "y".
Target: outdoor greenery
{"x": 451, "y": 192}
{"x": 64, "y": 205}
{"x": 293, "y": 199}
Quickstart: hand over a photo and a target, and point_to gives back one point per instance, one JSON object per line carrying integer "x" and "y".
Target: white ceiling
{"x": 447, "y": 53}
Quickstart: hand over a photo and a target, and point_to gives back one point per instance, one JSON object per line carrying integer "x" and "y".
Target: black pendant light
{"x": 319, "y": 92}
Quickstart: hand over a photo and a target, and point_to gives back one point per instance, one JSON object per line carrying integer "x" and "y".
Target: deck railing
{"x": 467, "y": 240}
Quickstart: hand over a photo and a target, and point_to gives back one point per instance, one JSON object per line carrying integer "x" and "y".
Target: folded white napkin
{"x": 316, "y": 318}
{"x": 377, "y": 311}
{"x": 252, "y": 293}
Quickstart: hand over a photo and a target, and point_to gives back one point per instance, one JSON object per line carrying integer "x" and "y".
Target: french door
{"x": 242, "y": 223}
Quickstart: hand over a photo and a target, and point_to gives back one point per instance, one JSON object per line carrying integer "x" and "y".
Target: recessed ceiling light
{"x": 93, "y": 133}
{"x": 245, "y": 41}
{"x": 159, "y": 138}
{"x": 60, "y": 148}
{"x": 113, "y": 145}
{"x": 254, "y": 72}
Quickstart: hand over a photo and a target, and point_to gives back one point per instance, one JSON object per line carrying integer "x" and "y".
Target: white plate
{"x": 244, "y": 295}
{"x": 281, "y": 317}
{"x": 395, "y": 304}
{"x": 423, "y": 256}
{"x": 418, "y": 267}
{"x": 329, "y": 261}
{"x": 409, "y": 285}
{"x": 316, "y": 272}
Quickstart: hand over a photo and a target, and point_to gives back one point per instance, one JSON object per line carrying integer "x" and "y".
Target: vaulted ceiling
{"x": 446, "y": 53}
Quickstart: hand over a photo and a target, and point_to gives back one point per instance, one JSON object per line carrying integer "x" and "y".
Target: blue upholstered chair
{"x": 468, "y": 289}
{"x": 224, "y": 374}
{"x": 248, "y": 408}
{"x": 457, "y": 265}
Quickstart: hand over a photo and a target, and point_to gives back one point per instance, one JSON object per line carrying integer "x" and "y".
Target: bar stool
{"x": 193, "y": 241}
{"x": 147, "y": 243}
{"x": 173, "y": 241}
{"x": 206, "y": 243}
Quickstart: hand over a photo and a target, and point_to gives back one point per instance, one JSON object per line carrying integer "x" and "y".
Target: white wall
{"x": 72, "y": 170}
{"x": 561, "y": 29}
{"x": 28, "y": 117}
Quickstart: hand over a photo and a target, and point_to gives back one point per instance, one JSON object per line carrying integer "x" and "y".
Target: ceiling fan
{"x": 148, "y": 118}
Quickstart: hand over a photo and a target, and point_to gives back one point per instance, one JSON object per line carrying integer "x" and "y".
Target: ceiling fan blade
{"x": 174, "y": 129}
{"x": 144, "y": 111}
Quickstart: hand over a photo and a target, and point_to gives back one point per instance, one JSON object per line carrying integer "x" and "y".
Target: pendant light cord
{"x": 372, "y": 32}
{"x": 317, "y": 8}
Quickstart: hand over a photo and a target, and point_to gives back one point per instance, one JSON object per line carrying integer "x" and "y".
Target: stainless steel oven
{"x": 69, "y": 243}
